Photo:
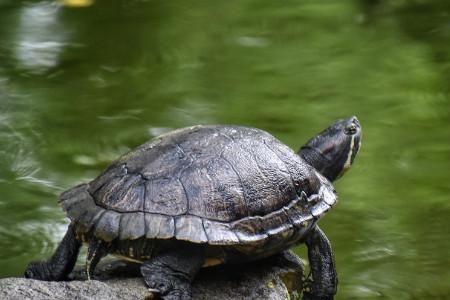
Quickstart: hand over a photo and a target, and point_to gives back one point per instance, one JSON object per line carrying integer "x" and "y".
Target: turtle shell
{"x": 221, "y": 185}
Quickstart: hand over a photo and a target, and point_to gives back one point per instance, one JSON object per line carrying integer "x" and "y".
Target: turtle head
{"x": 333, "y": 151}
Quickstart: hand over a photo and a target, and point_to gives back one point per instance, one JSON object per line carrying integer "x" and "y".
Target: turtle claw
{"x": 307, "y": 285}
{"x": 38, "y": 270}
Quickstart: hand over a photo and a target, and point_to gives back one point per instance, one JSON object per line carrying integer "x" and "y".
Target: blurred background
{"x": 84, "y": 81}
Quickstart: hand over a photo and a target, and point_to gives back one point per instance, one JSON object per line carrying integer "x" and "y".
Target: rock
{"x": 277, "y": 277}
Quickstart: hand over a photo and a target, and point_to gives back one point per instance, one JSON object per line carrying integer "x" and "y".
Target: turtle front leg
{"x": 171, "y": 274}
{"x": 323, "y": 267}
{"x": 60, "y": 264}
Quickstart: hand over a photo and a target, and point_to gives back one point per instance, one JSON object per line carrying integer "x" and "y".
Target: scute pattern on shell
{"x": 220, "y": 185}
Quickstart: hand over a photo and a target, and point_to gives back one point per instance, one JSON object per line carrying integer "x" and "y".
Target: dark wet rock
{"x": 278, "y": 277}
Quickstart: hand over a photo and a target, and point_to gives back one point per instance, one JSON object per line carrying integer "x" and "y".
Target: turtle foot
{"x": 168, "y": 288}
{"x": 40, "y": 271}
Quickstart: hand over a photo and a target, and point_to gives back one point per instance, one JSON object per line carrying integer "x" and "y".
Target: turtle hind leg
{"x": 323, "y": 267}
{"x": 97, "y": 249}
{"x": 60, "y": 264}
{"x": 170, "y": 274}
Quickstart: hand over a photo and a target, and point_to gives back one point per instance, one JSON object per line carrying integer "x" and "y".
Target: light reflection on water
{"x": 40, "y": 236}
{"x": 39, "y": 37}
{"x": 79, "y": 87}
{"x": 37, "y": 238}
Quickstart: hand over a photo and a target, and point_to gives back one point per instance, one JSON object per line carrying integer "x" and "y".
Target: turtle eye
{"x": 350, "y": 129}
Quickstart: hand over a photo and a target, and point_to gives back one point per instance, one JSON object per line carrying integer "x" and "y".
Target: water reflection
{"x": 40, "y": 37}
{"x": 17, "y": 157}
{"x": 37, "y": 239}
{"x": 250, "y": 41}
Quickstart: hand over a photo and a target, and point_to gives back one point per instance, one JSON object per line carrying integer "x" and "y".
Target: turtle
{"x": 207, "y": 195}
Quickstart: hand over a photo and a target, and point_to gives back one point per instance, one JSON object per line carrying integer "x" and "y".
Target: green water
{"x": 80, "y": 86}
